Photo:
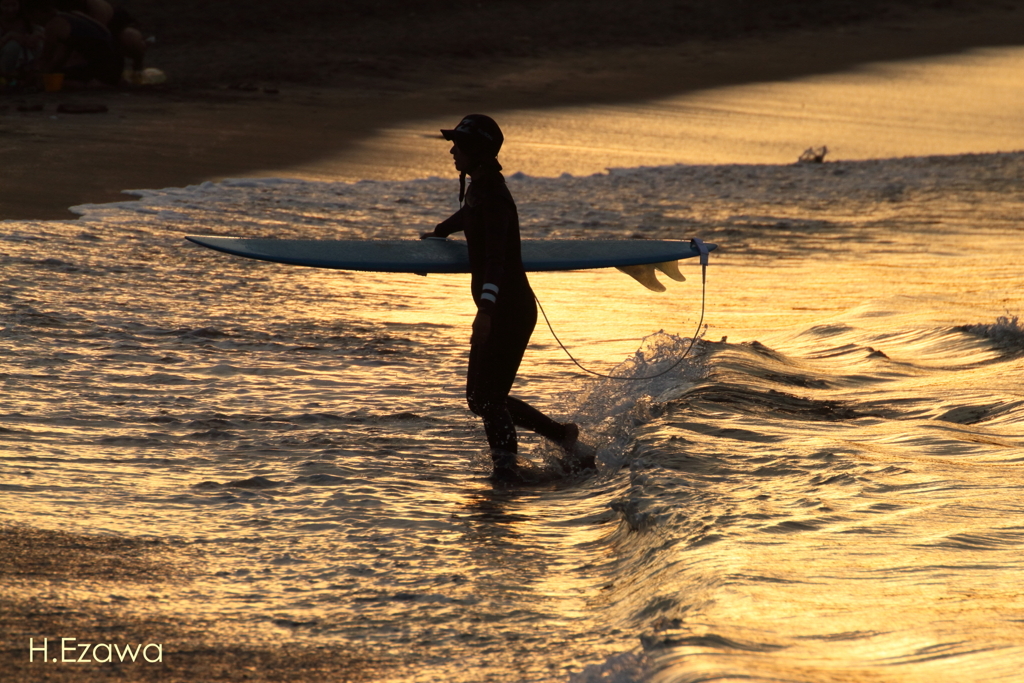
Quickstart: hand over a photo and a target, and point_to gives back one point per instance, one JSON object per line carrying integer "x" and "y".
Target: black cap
{"x": 477, "y": 135}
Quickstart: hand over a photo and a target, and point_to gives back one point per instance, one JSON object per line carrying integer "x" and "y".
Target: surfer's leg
{"x": 501, "y": 431}
{"x": 565, "y": 434}
{"x": 486, "y": 399}
{"x": 526, "y": 416}
{"x": 492, "y": 371}
{"x": 504, "y": 354}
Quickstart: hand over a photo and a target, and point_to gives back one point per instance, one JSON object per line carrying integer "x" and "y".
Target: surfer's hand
{"x": 481, "y": 328}
{"x": 428, "y": 235}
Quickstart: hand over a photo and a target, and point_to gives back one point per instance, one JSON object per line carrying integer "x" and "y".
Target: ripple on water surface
{"x": 829, "y": 493}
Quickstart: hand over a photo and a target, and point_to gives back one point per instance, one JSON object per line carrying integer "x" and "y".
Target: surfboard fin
{"x": 644, "y": 274}
{"x": 671, "y": 268}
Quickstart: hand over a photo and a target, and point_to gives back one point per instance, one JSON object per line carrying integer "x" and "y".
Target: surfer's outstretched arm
{"x": 454, "y": 223}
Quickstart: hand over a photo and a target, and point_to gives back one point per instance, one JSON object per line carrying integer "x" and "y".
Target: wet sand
{"x": 193, "y": 130}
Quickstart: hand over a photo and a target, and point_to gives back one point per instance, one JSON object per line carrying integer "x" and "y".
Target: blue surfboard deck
{"x": 447, "y": 256}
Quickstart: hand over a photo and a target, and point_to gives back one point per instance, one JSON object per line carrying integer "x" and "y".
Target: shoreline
{"x": 178, "y": 136}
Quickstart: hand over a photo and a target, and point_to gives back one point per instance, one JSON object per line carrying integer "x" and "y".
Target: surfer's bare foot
{"x": 580, "y": 455}
{"x": 571, "y": 438}
{"x": 506, "y": 467}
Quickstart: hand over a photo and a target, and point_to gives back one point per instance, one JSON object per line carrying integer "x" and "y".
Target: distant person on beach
{"x": 20, "y": 45}
{"x": 76, "y": 45}
{"x": 124, "y": 29}
{"x": 506, "y": 310}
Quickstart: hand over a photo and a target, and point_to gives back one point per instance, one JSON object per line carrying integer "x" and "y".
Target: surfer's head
{"x": 477, "y": 141}
{"x": 477, "y": 136}
{"x": 464, "y": 163}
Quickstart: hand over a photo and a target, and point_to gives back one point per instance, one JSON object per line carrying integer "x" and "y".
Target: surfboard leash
{"x": 699, "y": 245}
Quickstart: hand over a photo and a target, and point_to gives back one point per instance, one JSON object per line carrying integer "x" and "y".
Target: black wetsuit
{"x": 499, "y": 285}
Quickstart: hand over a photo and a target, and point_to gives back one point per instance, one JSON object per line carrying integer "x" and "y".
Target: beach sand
{"x": 218, "y": 119}
{"x": 221, "y": 116}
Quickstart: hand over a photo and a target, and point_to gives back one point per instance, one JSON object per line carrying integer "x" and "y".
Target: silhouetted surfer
{"x": 506, "y": 311}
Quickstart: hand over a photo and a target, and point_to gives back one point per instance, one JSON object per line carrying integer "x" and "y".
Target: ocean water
{"x": 829, "y": 487}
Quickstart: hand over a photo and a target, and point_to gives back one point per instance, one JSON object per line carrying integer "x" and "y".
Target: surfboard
{"x": 637, "y": 258}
